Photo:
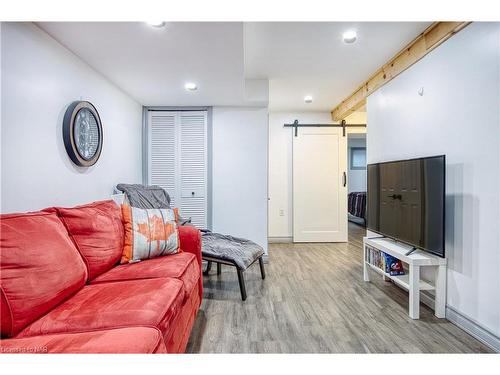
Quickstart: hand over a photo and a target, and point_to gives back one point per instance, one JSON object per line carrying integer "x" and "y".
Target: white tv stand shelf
{"x": 411, "y": 281}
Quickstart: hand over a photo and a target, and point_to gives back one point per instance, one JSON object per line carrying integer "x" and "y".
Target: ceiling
{"x": 153, "y": 64}
{"x": 310, "y": 58}
{"x": 298, "y": 58}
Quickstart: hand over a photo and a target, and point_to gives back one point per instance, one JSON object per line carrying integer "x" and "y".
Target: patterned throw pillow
{"x": 149, "y": 233}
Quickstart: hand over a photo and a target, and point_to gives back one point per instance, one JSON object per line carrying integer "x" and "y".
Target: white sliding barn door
{"x": 178, "y": 160}
{"x": 319, "y": 185}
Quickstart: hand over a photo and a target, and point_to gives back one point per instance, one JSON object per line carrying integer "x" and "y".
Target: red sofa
{"x": 63, "y": 291}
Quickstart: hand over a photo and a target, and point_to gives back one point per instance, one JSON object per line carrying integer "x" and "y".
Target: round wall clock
{"x": 82, "y": 133}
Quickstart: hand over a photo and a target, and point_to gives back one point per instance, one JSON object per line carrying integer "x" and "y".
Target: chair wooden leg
{"x": 262, "y": 271}
{"x": 241, "y": 280}
{"x": 219, "y": 268}
{"x": 209, "y": 267}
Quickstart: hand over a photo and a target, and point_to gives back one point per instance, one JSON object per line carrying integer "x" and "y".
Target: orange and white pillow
{"x": 149, "y": 233}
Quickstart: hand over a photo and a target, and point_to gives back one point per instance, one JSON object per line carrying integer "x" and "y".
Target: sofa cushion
{"x": 40, "y": 268}
{"x": 182, "y": 266}
{"x": 152, "y": 302}
{"x": 97, "y": 231}
{"x": 120, "y": 340}
{"x": 178, "y": 337}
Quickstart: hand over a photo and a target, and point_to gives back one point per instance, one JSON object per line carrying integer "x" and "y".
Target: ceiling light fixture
{"x": 190, "y": 86}
{"x": 349, "y": 36}
{"x": 156, "y": 23}
{"x": 308, "y": 99}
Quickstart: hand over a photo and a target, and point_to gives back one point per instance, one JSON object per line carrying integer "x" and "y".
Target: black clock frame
{"x": 69, "y": 135}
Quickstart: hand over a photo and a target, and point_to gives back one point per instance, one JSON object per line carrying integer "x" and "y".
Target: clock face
{"x": 86, "y": 134}
{"x": 82, "y": 133}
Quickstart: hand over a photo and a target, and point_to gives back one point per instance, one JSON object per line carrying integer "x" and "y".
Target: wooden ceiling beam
{"x": 432, "y": 37}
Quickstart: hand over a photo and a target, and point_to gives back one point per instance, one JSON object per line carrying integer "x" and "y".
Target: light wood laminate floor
{"x": 314, "y": 300}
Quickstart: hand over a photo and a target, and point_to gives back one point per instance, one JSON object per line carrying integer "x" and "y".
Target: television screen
{"x": 405, "y": 201}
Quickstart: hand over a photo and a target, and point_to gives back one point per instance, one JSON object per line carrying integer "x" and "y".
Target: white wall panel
{"x": 40, "y": 78}
{"x": 240, "y": 172}
{"x": 457, "y": 115}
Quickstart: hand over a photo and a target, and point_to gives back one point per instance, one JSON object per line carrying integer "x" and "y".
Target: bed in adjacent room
{"x": 356, "y": 206}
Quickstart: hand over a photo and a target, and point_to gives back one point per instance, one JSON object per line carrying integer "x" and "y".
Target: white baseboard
{"x": 467, "y": 324}
{"x": 280, "y": 239}
{"x": 473, "y": 328}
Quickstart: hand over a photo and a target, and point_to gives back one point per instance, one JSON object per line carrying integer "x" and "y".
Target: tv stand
{"x": 415, "y": 259}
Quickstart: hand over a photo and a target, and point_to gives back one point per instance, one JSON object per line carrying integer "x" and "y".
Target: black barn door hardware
{"x": 342, "y": 125}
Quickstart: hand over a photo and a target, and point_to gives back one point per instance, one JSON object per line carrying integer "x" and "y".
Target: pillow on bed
{"x": 149, "y": 233}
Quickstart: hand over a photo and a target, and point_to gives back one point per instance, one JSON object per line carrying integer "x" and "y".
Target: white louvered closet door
{"x": 162, "y": 153}
{"x": 193, "y": 167}
{"x": 178, "y": 160}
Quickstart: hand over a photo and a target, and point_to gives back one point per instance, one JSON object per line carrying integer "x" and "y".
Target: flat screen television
{"x": 406, "y": 201}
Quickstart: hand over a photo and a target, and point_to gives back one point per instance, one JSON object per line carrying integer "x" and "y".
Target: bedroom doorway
{"x": 356, "y": 178}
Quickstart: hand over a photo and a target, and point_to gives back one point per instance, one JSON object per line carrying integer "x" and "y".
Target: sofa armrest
{"x": 190, "y": 242}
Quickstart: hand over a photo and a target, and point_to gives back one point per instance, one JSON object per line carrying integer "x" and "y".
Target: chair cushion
{"x": 182, "y": 266}
{"x": 239, "y": 251}
{"x": 149, "y": 233}
{"x": 151, "y": 302}
{"x": 97, "y": 231}
{"x": 40, "y": 268}
{"x": 120, "y": 340}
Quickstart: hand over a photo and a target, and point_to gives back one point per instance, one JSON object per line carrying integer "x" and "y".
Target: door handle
{"x": 344, "y": 179}
{"x": 395, "y": 196}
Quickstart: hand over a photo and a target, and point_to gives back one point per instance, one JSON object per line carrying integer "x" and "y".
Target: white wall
{"x": 458, "y": 115}
{"x": 280, "y": 165}
{"x": 39, "y": 79}
{"x": 356, "y": 178}
{"x": 239, "y": 172}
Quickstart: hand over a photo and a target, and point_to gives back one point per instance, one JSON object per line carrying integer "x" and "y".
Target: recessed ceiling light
{"x": 308, "y": 99}
{"x": 190, "y": 86}
{"x": 349, "y": 36}
{"x": 156, "y": 23}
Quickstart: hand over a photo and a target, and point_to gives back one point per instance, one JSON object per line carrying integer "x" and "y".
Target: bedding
{"x": 357, "y": 204}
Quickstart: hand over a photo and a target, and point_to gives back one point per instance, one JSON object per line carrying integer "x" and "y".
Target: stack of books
{"x": 385, "y": 262}
{"x": 376, "y": 258}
